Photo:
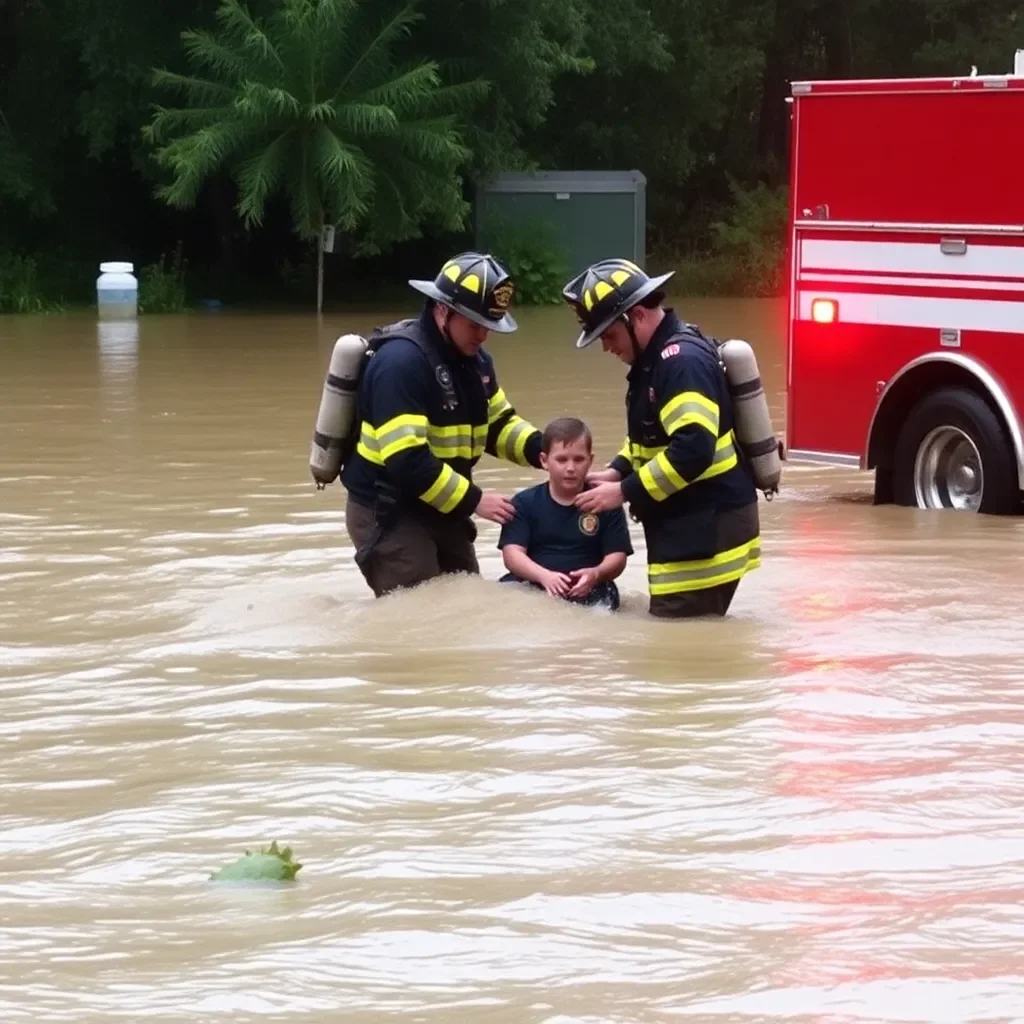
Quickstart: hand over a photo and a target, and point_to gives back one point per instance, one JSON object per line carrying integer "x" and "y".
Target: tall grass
{"x": 21, "y": 287}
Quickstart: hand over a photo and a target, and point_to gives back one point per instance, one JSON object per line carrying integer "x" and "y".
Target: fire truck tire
{"x": 952, "y": 452}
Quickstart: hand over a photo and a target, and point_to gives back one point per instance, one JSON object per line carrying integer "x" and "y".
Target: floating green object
{"x": 269, "y": 865}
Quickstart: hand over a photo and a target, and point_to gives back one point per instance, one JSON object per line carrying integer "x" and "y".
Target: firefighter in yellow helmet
{"x": 679, "y": 469}
{"x": 429, "y": 405}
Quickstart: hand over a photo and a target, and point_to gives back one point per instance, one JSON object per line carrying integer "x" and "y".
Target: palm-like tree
{"x": 313, "y": 104}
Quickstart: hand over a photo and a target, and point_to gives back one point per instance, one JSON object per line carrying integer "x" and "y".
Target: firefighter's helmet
{"x": 476, "y": 285}
{"x": 604, "y": 292}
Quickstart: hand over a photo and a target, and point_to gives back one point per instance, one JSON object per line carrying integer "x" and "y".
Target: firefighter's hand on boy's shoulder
{"x": 604, "y": 476}
{"x": 496, "y": 507}
{"x": 600, "y": 498}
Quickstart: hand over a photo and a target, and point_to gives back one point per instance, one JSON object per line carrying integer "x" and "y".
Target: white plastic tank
{"x": 117, "y": 291}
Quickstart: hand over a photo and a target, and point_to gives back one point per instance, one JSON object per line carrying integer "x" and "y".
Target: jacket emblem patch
{"x": 670, "y": 350}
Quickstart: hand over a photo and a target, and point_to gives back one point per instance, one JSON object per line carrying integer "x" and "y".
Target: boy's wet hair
{"x": 565, "y": 429}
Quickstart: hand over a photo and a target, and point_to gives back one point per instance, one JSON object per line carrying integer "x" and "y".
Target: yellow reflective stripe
{"x": 626, "y": 451}
{"x": 678, "y": 577}
{"x": 479, "y": 440}
{"x": 406, "y": 419}
{"x": 367, "y": 446}
{"x": 447, "y": 490}
{"x": 660, "y": 478}
{"x": 638, "y": 454}
{"x": 452, "y": 442}
{"x": 369, "y": 454}
{"x": 399, "y": 433}
{"x": 724, "y": 460}
{"x": 511, "y": 440}
{"x": 450, "y": 450}
{"x": 497, "y": 405}
{"x": 690, "y": 407}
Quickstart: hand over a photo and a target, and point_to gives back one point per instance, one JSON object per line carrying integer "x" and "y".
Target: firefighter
{"x": 679, "y": 468}
{"x": 430, "y": 405}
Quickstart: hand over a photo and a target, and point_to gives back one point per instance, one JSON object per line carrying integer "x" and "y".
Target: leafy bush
{"x": 537, "y": 261}
{"x": 753, "y": 238}
{"x": 162, "y": 288}
{"x": 21, "y": 290}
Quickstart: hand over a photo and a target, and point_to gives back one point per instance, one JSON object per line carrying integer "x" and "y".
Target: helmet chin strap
{"x": 444, "y": 323}
{"x": 632, "y": 336}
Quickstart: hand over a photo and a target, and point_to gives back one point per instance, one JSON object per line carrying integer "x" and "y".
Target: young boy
{"x": 551, "y": 544}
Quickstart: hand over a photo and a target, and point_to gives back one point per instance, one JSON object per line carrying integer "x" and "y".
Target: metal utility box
{"x": 595, "y": 215}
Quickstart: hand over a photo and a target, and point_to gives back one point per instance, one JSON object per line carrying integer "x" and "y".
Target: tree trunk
{"x": 782, "y": 62}
{"x": 320, "y": 272}
{"x": 222, "y": 209}
{"x": 838, "y": 39}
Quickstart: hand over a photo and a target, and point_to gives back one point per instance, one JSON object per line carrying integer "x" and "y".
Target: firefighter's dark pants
{"x": 408, "y": 550}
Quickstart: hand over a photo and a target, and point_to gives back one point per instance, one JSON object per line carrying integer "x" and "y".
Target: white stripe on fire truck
{"x": 917, "y": 282}
{"x": 918, "y": 311}
{"x": 822, "y": 254}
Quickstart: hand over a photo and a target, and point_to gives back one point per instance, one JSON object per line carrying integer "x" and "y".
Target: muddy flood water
{"x": 506, "y": 809}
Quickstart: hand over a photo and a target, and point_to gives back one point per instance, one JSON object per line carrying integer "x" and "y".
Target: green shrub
{"x": 537, "y": 260}
{"x": 752, "y": 238}
{"x": 21, "y": 290}
{"x": 162, "y": 288}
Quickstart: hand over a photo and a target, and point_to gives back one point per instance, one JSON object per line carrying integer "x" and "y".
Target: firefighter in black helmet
{"x": 679, "y": 469}
{"x": 429, "y": 406}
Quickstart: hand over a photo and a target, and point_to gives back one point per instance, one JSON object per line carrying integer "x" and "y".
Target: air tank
{"x": 753, "y": 421}
{"x": 337, "y": 413}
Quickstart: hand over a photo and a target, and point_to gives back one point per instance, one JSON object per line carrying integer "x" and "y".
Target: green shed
{"x": 594, "y": 214}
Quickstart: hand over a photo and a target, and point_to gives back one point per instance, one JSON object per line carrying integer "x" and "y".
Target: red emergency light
{"x": 824, "y": 311}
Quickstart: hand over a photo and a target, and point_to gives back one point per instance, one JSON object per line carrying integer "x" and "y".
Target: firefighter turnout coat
{"x": 427, "y": 415}
{"x": 681, "y": 466}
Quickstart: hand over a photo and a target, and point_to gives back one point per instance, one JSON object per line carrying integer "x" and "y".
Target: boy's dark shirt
{"x": 561, "y": 537}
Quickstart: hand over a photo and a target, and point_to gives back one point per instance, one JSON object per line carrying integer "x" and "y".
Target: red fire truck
{"x": 905, "y": 340}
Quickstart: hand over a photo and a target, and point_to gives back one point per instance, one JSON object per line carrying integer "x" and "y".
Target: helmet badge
{"x": 502, "y": 297}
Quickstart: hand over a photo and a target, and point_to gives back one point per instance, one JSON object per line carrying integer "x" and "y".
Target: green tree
{"x": 528, "y": 50}
{"x": 312, "y": 103}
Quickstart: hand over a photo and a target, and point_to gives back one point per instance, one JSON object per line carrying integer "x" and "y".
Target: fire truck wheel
{"x": 952, "y": 452}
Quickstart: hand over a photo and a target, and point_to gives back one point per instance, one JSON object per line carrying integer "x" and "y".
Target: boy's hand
{"x": 600, "y": 498}
{"x": 557, "y": 584}
{"x": 584, "y": 581}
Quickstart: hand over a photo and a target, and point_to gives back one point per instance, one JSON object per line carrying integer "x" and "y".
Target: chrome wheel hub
{"x": 948, "y": 472}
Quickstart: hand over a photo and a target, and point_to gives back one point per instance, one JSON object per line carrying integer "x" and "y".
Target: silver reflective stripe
{"x": 369, "y": 438}
{"x": 447, "y": 492}
{"x": 721, "y": 455}
{"x": 403, "y": 430}
{"x": 683, "y": 578}
{"x": 447, "y": 446}
{"x": 661, "y": 478}
{"x": 704, "y": 417}
{"x": 509, "y": 442}
{"x": 497, "y": 405}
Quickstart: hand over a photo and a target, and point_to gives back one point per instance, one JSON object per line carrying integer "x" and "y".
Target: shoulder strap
{"x": 410, "y": 330}
{"x": 692, "y": 334}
